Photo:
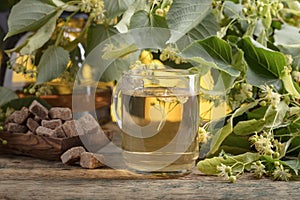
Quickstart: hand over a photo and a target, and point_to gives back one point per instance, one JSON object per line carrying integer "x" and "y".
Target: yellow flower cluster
{"x": 95, "y": 7}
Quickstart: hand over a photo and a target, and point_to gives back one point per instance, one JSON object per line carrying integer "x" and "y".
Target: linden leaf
{"x": 53, "y": 62}
{"x": 7, "y": 95}
{"x": 209, "y": 166}
{"x": 29, "y": 15}
{"x": 248, "y": 127}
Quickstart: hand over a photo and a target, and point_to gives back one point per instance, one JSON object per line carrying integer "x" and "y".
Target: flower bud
{"x": 232, "y": 179}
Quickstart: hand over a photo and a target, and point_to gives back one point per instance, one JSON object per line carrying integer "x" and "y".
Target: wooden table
{"x": 29, "y": 178}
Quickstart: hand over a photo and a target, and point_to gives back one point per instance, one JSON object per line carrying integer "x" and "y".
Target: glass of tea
{"x": 157, "y": 111}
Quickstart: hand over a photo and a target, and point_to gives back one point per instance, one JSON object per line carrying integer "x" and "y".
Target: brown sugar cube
{"x": 89, "y": 124}
{"x": 72, "y": 128}
{"x": 43, "y": 131}
{"x": 20, "y": 116}
{"x": 37, "y": 119}
{"x": 91, "y": 161}
{"x": 32, "y": 124}
{"x": 38, "y": 110}
{"x": 16, "y": 128}
{"x": 9, "y": 119}
{"x": 52, "y": 124}
{"x": 72, "y": 155}
{"x": 60, "y": 113}
{"x": 59, "y": 131}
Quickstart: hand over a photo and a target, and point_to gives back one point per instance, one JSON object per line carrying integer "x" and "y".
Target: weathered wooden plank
{"x": 29, "y": 178}
{"x": 206, "y": 188}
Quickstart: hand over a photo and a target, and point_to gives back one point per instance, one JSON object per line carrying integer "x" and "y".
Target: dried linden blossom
{"x": 226, "y": 172}
{"x": 270, "y": 95}
{"x": 172, "y": 54}
{"x": 263, "y": 143}
{"x": 223, "y": 170}
{"x": 282, "y": 174}
{"x": 203, "y": 135}
{"x": 258, "y": 168}
{"x": 92, "y": 6}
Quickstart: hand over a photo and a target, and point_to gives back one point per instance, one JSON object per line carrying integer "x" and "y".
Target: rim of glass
{"x": 172, "y": 73}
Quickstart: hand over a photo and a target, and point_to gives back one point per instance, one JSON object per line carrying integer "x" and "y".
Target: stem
{"x": 152, "y": 6}
{"x": 60, "y": 35}
{"x": 73, "y": 44}
{"x": 251, "y": 28}
{"x": 293, "y": 149}
{"x": 271, "y": 129}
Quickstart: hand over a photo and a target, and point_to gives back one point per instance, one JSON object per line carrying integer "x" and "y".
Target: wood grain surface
{"x": 30, "y": 178}
{"x": 37, "y": 146}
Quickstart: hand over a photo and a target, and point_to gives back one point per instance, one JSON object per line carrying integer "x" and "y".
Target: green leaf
{"x": 209, "y": 166}
{"x": 294, "y": 146}
{"x": 142, "y": 19}
{"x": 238, "y": 61}
{"x": 233, "y": 10}
{"x": 184, "y": 15}
{"x": 118, "y": 66}
{"x": 289, "y": 84}
{"x": 132, "y": 41}
{"x": 124, "y": 23}
{"x": 257, "y": 113}
{"x": 208, "y": 27}
{"x": 41, "y": 36}
{"x": 289, "y": 45}
{"x": 53, "y": 62}
{"x": 264, "y": 65}
{"x": 7, "y": 95}
{"x": 158, "y": 21}
{"x": 275, "y": 116}
{"x": 65, "y": 6}
{"x": 248, "y": 127}
{"x": 294, "y": 165}
{"x": 219, "y": 137}
{"x": 117, "y": 7}
{"x": 280, "y": 36}
{"x": 294, "y": 51}
{"x": 225, "y": 131}
{"x": 97, "y": 34}
{"x": 235, "y": 144}
{"x": 213, "y": 52}
{"x": 29, "y": 15}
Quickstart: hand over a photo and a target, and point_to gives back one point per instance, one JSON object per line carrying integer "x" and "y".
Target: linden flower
{"x": 258, "y": 169}
{"x": 272, "y": 97}
{"x": 92, "y": 6}
{"x": 263, "y": 143}
{"x": 281, "y": 174}
{"x": 226, "y": 172}
{"x": 203, "y": 135}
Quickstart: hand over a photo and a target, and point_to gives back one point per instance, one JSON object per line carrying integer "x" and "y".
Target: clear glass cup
{"x": 157, "y": 111}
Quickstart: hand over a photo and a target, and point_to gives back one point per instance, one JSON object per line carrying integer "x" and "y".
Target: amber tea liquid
{"x": 159, "y": 133}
